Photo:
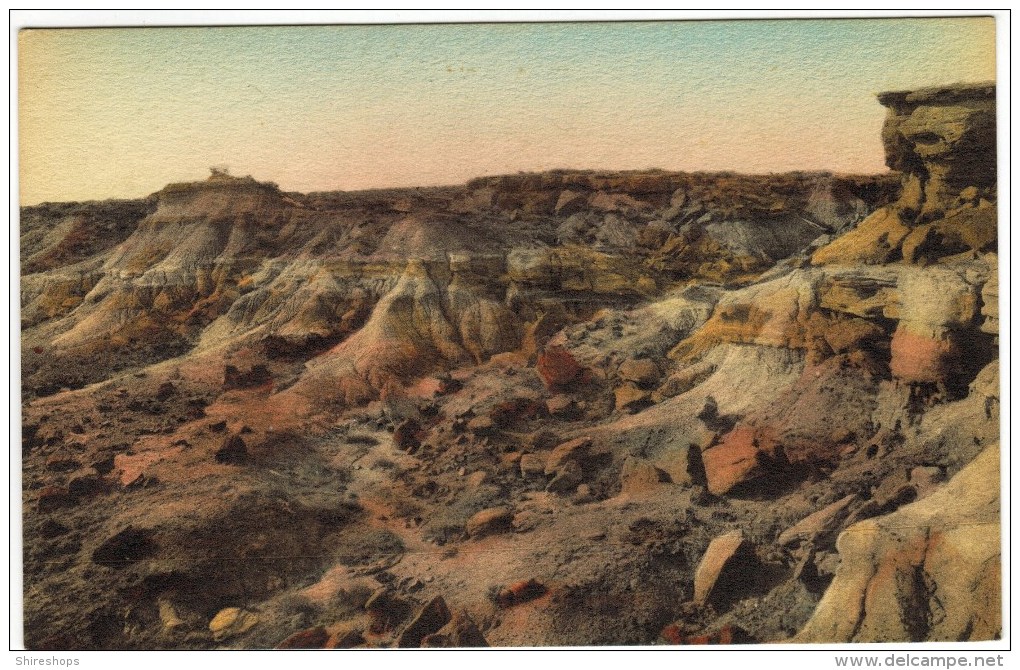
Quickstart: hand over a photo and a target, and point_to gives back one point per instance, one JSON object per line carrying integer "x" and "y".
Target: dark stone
{"x": 233, "y": 452}
{"x": 166, "y": 390}
{"x": 86, "y": 486}
{"x": 130, "y": 545}
{"x": 233, "y": 378}
{"x": 430, "y": 620}
{"x": 461, "y": 632}
{"x": 51, "y": 529}
{"x": 54, "y": 497}
{"x": 385, "y": 609}
{"x": 407, "y": 435}
{"x": 104, "y": 466}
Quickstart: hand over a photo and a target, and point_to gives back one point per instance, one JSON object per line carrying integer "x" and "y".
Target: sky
{"x": 121, "y": 112}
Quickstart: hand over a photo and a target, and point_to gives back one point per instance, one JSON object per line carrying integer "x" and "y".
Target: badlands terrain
{"x": 566, "y": 408}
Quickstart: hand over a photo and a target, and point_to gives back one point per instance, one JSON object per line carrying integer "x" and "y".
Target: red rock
{"x": 521, "y": 592}
{"x": 312, "y": 638}
{"x": 558, "y": 368}
{"x": 728, "y": 634}
{"x": 730, "y": 462}
{"x": 919, "y": 359}
{"x": 672, "y": 634}
{"x": 511, "y": 411}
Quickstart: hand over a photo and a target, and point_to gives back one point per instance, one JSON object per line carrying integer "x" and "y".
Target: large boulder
{"x": 736, "y": 460}
{"x": 460, "y": 632}
{"x": 639, "y": 476}
{"x": 572, "y": 450}
{"x": 230, "y": 622}
{"x": 641, "y": 371}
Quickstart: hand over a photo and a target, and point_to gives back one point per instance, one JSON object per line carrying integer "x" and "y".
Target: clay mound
{"x": 297, "y": 302}
{"x": 414, "y": 329}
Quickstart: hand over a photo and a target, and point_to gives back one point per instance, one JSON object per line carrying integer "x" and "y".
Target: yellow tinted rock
{"x": 231, "y": 621}
{"x": 168, "y": 615}
{"x": 875, "y": 240}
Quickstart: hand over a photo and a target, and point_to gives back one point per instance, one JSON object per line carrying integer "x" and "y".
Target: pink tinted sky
{"x": 121, "y": 112}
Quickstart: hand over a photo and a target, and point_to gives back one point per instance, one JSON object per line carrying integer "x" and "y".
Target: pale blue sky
{"x": 121, "y": 112}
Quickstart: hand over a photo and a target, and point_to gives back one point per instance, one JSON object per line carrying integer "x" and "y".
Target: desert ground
{"x": 542, "y": 409}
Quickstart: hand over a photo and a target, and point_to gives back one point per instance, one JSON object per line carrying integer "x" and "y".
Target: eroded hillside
{"x": 568, "y": 408}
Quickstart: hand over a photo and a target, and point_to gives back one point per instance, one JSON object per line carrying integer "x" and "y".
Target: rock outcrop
{"x": 928, "y": 572}
{"x": 943, "y": 141}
